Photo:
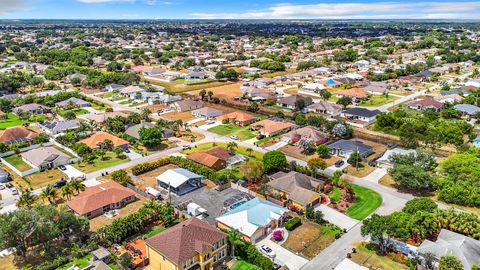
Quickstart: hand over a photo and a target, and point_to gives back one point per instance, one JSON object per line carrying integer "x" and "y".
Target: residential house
{"x": 362, "y": 114}
{"x": 449, "y": 98}
{"x": 114, "y": 87}
{"x": 269, "y": 127}
{"x": 253, "y": 219}
{"x": 306, "y": 133}
{"x": 17, "y": 134}
{"x": 76, "y": 77}
{"x": 134, "y": 130}
{"x": 251, "y": 71}
{"x": 195, "y": 76}
{"x": 238, "y": 118}
{"x": 179, "y": 181}
{"x": 186, "y": 105}
{"x": 100, "y": 118}
{"x": 154, "y": 71}
{"x": 425, "y": 104}
{"x": 97, "y": 200}
{"x": 377, "y": 88}
{"x": 132, "y": 89}
{"x": 467, "y": 109}
{"x": 313, "y": 87}
{"x": 449, "y": 243}
{"x": 291, "y": 102}
{"x": 191, "y": 244}
{"x": 73, "y": 102}
{"x": 32, "y": 108}
{"x": 96, "y": 139}
{"x": 325, "y": 107}
{"x": 384, "y": 160}
{"x": 54, "y": 127}
{"x": 302, "y": 190}
{"x": 344, "y": 148}
{"x": 207, "y": 113}
{"x": 46, "y": 157}
{"x": 208, "y": 160}
{"x": 357, "y": 94}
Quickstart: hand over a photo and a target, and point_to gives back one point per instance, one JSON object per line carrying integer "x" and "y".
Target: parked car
{"x": 9, "y": 185}
{"x": 339, "y": 163}
{"x": 234, "y": 137}
{"x": 210, "y": 122}
{"x": 391, "y": 145}
{"x": 267, "y": 251}
{"x": 14, "y": 191}
{"x": 186, "y": 147}
{"x": 261, "y": 136}
{"x": 60, "y": 183}
{"x": 127, "y": 150}
{"x": 2, "y": 186}
{"x": 62, "y": 167}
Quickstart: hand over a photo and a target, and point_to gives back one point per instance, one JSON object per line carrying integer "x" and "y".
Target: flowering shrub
{"x": 277, "y": 235}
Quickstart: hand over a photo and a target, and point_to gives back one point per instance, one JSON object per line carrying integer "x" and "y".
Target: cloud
{"x": 148, "y": 2}
{"x": 371, "y": 10}
{"x": 11, "y": 6}
{"x": 103, "y": 1}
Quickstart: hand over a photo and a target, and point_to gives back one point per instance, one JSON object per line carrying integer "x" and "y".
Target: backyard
{"x": 243, "y": 265}
{"x": 239, "y": 150}
{"x": 101, "y": 221}
{"x": 78, "y": 111}
{"x": 45, "y": 178}
{"x": 11, "y": 120}
{"x": 109, "y": 160}
{"x": 154, "y": 231}
{"x": 243, "y": 133}
{"x": 17, "y": 162}
{"x": 366, "y": 255}
{"x": 310, "y": 238}
{"x": 366, "y": 201}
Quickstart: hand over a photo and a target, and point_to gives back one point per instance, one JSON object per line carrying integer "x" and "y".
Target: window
{"x": 184, "y": 265}
{"x": 191, "y": 260}
{"x": 214, "y": 258}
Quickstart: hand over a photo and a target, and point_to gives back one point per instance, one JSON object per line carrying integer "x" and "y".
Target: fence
{"x": 139, "y": 191}
{"x": 15, "y": 170}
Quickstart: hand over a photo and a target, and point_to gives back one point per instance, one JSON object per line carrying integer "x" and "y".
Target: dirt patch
{"x": 361, "y": 171}
{"x": 387, "y": 181}
{"x": 296, "y": 152}
{"x": 174, "y": 116}
{"x": 227, "y": 92}
{"x": 148, "y": 179}
{"x": 156, "y": 107}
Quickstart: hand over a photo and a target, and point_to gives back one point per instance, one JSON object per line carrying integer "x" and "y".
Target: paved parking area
{"x": 72, "y": 172}
{"x": 211, "y": 200}
{"x": 341, "y": 220}
{"x": 8, "y": 202}
{"x": 283, "y": 255}
{"x": 133, "y": 155}
{"x": 207, "y": 126}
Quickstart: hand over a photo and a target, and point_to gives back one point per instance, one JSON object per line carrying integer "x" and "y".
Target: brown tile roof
{"x": 97, "y": 138}
{"x": 353, "y": 92}
{"x": 99, "y": 196}
{"x": 220, "y": 152}
{"x": 427, "y": 102}
{"x": 238, "y": 116}
{"x": 270, "y": 126}
{"x": 185, "y": 240}
{"x": 17, "y": 133}
{"x": 205, "y": 159}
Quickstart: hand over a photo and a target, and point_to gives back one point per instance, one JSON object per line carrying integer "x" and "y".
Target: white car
{"x": 2, "y": 186}
{"x": 234, "y": 137}
{"x": 267, "y": 251}
{"x": 14, "y": 191}
{"x": 186, "y": 147}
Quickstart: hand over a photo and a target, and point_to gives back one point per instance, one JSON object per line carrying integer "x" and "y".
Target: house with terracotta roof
{"x": 208, "y": 160}
{"x": 96, "y": 139}
{"x": 425, "y": 104}
{"x": 99, "y": 199}
{"x": 269, "y": 127}
{"x": 238, "y": 118}
{"x": 191, "y": 244}
{"x": 357, "y": 94}
{"x": 306, "y": 133}
{"x": 17, "y": 134}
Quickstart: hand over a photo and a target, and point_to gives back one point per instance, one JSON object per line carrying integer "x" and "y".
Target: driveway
{"x": 283, "y": 255}
{"x": 376, "y": 175}
{"x": 8, "y": 202}
{"x": 207, "y": 126}
{"x": 133, "y": 155}
{"x": 72, "y": 172}
{"x": 276, "y": 146}
{"x": 341, "y": 220}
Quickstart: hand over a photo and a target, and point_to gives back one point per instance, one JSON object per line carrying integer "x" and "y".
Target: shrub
{"x": 278, "y": 235}
{"x": 121, "y": 177}
{"x": 293, "y": 223}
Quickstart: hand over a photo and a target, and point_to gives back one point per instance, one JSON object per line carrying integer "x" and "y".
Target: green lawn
{"x": 366, "y": 201}
{"x": 243, "y": 133}
{"x": 335, "y": 196}
{"x": 11, "y": 121}
{"x": 184, "y": 81}
{"x": 80, "y": 263}
{"x": 113, "y": 266}
{"x": 243, "y": 265}
{"x": 78, "y": 111}
{"x": 109, "y": 160}
{"x": 17, "y": 162}
{"x": 377, "y": 100}
{"x": 154, "y": 231}
{"x": 239, "y": 150}
{"x": 119, "y": 98}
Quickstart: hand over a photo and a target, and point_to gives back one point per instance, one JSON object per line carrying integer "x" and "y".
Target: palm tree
{"x": 231, "y": 146}
{"x": 26, "y": 198}
{"x": 233, "y": 236}
{"x": 77, "y": 185}
{"x": 49, "y": 193}
{"x": 249, "y": 151}
{"x": 67, "y": 191}
{"x": 146, "y": 114}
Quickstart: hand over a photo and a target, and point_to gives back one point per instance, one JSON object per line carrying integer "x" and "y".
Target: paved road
{"x": 116, "y": 106}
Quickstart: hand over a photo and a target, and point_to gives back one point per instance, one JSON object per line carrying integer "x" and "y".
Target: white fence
{"x": 22, "y": 174}
{"x": 243, "y": 189}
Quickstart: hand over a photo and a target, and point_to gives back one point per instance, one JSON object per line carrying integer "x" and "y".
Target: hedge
{"x": 293, "y": 223}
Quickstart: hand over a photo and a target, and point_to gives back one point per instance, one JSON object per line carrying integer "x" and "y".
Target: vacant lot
{"x": 239, "y": 150}
{"x": 366, "y": 201}
{"x": 78, "y": 111}
{"x": 17, "y": 162}
{"x": 148, "y": 179}
{"x": 101, "y": 221}
{"x": 377, "y": 100}
{"x": 45, "y": 178}
{"x": 297, "y": 152}
{"x": 11, "y": 121}
{"x": 243, "y": 133}
{"x": 173, "y": 116}
{"x": 361, "y": 171}
{"x": 367, "y": 256}
{"x": 228, "y": 91}
{"x": 109, "y": 160}
{"x": 308, "y": 239}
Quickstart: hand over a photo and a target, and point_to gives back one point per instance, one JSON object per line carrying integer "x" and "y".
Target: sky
{"x": 240, "y": 9}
